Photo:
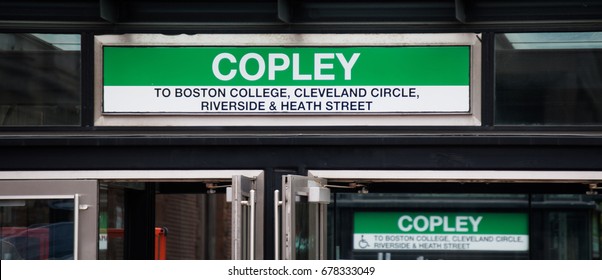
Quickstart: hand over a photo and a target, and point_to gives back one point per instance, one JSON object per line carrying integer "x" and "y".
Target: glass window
{"x": 163, "y": 220}
{"x": 463, "y": 226}
{"x": 369, "y": 226}
{"x": 36, "y": 229}
{"x": 40, "y": 76}
{"x": 548, "y": 78}
{"x": 197, "y": 225}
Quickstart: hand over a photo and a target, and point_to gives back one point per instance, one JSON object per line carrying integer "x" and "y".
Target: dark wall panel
{"x": 302, "y": 157}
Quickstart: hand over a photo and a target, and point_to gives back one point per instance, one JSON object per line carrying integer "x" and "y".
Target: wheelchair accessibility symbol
{"x": 363, "y": 243}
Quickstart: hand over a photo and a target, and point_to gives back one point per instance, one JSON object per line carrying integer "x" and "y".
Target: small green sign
{"x": 441, "y": 223}
{"x": 468, "y": 231}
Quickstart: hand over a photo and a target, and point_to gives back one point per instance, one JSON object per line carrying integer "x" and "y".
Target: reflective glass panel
{"x": 163, "y": 220}
{"x": 303, "y": 239}
{"x": 40, "y": 76}
{"x": 463, "y": 226}
{"x": 197, "y": 225}
{"x": 36, "y": 229}
{"x": 548, "y": 78}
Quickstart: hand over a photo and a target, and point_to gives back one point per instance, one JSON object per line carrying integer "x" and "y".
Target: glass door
{"x": 380, "y": 224}
{"x": 303, "y": 205}
{"x": 209, "y": 219}
{"x": 385, "y": 219}
{"x": 38, "y": 227}
{"x": 41, "y": 220}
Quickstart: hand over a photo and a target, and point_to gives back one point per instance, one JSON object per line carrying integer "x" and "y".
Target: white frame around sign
{"x": 472, "y": 118}
{"x": 85, "y": 211}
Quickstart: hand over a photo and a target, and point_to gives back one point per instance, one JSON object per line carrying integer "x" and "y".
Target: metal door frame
{"x": 465, "y": 176}
{"x": 85, "y": 213}
{"x": 243, "y": 194}
{"x": 591, "y": 178}
{"x": 299, "y": 185}
{"x": 69, "y": 182}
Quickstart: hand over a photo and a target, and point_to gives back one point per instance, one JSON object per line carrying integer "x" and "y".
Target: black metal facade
{"x": 280, "y": 151}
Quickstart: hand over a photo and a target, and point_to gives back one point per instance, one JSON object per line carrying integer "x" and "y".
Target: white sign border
{"x": 472, "y": 118}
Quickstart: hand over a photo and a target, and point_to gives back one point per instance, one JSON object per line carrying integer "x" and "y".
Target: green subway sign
{"x": 441, "y": 231}
{"x": 280, "y": 66}
{"x": 440, "y": 223}
{"x": 264, "y": 80}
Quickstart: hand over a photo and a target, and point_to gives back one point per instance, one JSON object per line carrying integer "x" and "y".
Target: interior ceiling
{"x": 300, "y": 11}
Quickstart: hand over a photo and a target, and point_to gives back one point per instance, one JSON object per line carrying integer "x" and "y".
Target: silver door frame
{"x": 591, "y": 178}
{"x": 243, "y": 193}
{"x": 292, "y": 186}
{"x": 70, "y": 179}
{"x": 466, "y": 176}
{"x": 85, "y": 197}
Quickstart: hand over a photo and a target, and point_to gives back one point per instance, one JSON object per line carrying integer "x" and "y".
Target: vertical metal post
{"x": 76, "y": 226}
{"x": 252, "y": 227}
{"x": 277, "y": 204}
{"x": 237, "y": 234}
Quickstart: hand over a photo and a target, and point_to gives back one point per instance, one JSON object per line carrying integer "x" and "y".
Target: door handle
{"x": 252, "y": 227}
{"x": 76, "y": 209}
{"x": 251, "y": 204}
{"x": 277, "y": 204}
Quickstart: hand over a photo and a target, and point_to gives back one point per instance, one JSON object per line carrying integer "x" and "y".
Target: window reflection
{"x": 163, "y": 220}
{"x": 40, "y": 76}
{"x": 561, "y": 226}
{"x": 36, "y": 229}
{"x": 549, "y": 78}
{"x": 197, "y": 225}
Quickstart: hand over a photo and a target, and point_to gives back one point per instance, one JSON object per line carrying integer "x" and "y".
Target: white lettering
{"x": 435, "y": 222}
{"x": 475, "y": 223}
{"x": 425, "y": 223}
{"x": 461, "y": 223}
{"x": 401, "y": 226}
{"x": 278, "y": 62}
{"x": 348, "y": 65}
{"x": 243, "y": 67}
{"x": 446, "y": 227}
{"x": 273, "y": 67}
{"x": 319, "y": 65}
{"x": 215, "y": 66}
{"x": 296, "y": 75}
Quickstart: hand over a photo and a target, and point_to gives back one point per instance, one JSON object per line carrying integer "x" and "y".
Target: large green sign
{"x": 280, "y": 66}
{"x": 441, "y": 231}
{"x": 387, "y": 79}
